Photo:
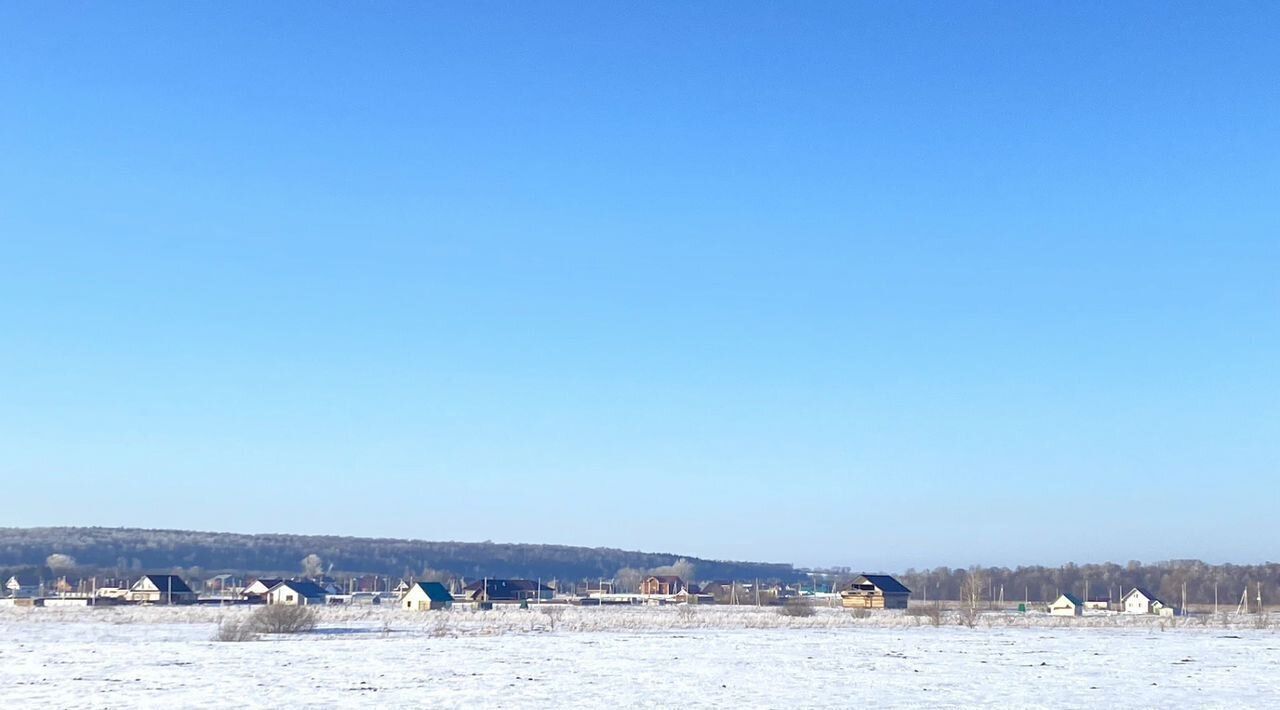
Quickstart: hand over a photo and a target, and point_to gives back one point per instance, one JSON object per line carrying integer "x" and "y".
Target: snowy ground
{"x": 129, "y": 657}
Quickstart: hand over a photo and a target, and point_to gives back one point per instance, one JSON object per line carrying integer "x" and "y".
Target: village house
{"x": 1141, "y": 601}
{"x": 224, "y": 585}
{"x": 21, "y": 588}
{"x": 112, "y": 592}
{"x": 364, "y": 599}
{"x": 160, "y": 589}
{"x": 1067, "y": 605}
{"x": 875, "y": 591}
{"x": 722, "y": 591}
{"x": 258, "y": 590}
{"x": 506, "y": 590}
{"x": 425, "y": 596}
{"x": 718, "y": 587}
{"x": 693, "y": 594}
{"x": 294, "y": 593}
{"x": 662, "y": 585}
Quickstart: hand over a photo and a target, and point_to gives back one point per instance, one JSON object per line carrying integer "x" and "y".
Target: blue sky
{"x": 879, "y": 285}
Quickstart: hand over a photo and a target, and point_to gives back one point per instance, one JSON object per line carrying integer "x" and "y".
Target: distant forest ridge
{"x": 128, "y": 551}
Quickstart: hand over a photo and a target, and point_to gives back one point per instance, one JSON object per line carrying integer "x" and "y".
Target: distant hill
{"x": 132, "y": 550}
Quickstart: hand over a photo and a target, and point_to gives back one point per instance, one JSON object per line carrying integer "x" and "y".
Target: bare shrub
{"x": 283, "y": 619}
{"x": 233, "y": 630}
{"x": 968, "y": 617}
{"x": 1262, "y": 620}
{"x": 796, "y": 607}
{"x": 860, "y": 612}
{"x": 931, "y": 612}
{"x": 553, "y": 614}
{"x": 687, "y": 612}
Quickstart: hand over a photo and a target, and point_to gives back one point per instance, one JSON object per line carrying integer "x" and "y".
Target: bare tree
{"x": 972, "y": 588}
{"x": 682, "y": 568}
{"x": 627, "y": 580}
{"x": 312, "y": 565}
{"x": 435, "y": 575}
{"x": 59, "y": 562}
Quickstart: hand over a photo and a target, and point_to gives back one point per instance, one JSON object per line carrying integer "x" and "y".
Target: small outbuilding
{"x": 875, "y": 591}
{"x": 425, "y": 596}
{"x": 1067, "y": 605}
{"x": 293, "y": 593}
{"x": 1100, "y": 602}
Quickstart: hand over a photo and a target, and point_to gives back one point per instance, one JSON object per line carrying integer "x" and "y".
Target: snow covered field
{"x": 657, "y": 656}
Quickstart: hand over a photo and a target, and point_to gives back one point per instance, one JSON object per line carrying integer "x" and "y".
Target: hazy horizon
{"x": 851, "y": 284}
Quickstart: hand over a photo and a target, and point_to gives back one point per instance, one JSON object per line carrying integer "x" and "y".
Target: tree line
{"x": 1107, "y": 580}
{"x": 130, "y": 551}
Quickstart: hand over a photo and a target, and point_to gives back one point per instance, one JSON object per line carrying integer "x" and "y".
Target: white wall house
{"x": 161, "y": 589}
{"x": 292, "y": 593}
{"x": 260, "y": 587}
{"x": 1067, "y": 605}
{"x": 1142, "y": 601}
{"x": 424, "y": 596}
{"x": 20, "y": 588}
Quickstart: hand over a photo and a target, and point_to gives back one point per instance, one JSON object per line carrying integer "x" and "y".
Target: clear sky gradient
{"x": 881, "y": 285}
